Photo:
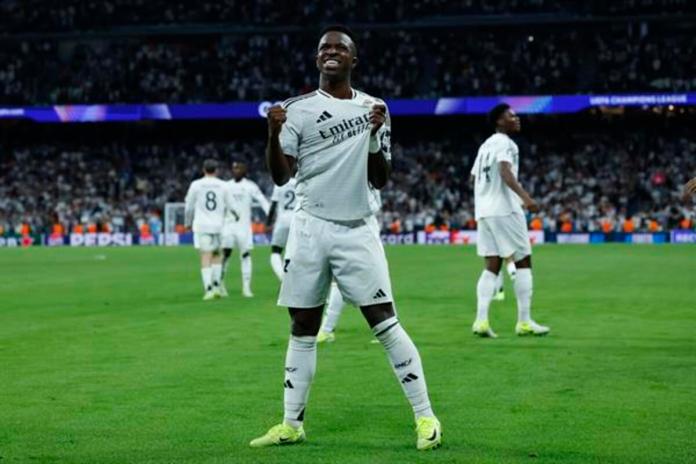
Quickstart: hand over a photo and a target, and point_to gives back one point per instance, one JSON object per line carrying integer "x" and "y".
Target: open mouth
{"x": 331, "y": 63}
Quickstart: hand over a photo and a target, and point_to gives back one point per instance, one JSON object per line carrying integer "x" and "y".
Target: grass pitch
{"x": 110, "y": 356}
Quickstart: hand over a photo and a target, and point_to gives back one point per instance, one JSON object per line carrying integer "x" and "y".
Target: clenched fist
{"x": 531, "y": 205}
{"x": 277, "y": 115}
{"x": 378, "y": 114}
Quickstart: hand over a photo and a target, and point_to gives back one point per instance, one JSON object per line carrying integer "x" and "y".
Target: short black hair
{"x": 496, "y": 113}
{"x": 343, "y": 29}
{"x": 210, "y": 166}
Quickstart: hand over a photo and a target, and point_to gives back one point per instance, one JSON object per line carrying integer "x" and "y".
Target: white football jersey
{"x": 330, "y": 139}
{"x": 244, "y": 193}
{"x": 206, "y": 202}
{"x": 285, "y": 197}
{"x": 492, "y": 196}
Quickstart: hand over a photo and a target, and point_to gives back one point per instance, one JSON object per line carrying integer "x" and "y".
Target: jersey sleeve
{"x": 384, "y": 134}
{"x": 503, "y": 151}
{"x": 474, "y": 168}
{"x": 190, "y": 205}
{"x": 290, "y": 132}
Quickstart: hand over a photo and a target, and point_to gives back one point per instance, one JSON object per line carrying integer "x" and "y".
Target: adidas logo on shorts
{"x": 380, "y": 294}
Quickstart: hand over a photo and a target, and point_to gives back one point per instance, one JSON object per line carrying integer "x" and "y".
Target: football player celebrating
{"x": 338, "y": 139}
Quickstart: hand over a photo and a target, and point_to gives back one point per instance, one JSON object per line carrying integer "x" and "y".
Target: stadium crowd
{"x": 70, "y": 15}
{"x": 400, "y": 63}
{"x": 626, "y": 183}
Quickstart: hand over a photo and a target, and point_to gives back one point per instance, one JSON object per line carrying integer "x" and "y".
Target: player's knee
{"x": 524, "y": 263}
{"x": 305, "y": 322}
{"x": 374, "y": 314}
{"x": 493, "y": 264}
{"x": 276, "y": 249}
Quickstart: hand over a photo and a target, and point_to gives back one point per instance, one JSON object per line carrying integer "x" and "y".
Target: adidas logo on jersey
{"x": 410, "y": 377}
{"x": 380, "y": 294}
{"x": 324, "y": 116}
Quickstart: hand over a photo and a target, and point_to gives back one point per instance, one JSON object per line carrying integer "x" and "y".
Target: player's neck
{"x": 337, "y": 89}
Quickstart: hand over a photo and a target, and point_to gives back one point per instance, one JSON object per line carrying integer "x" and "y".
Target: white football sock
{"x": 511, "y": 270}
{"x": 406, "y": 364}
{"x": 523, "y": 292}
{"x": 334, "y": 309}
{"x": 484, "y": 292}
{"x": 216, "y": 274}
{"x": 207, "y": 277}
{"x": 498, "y": 283}
{"x": 300, "y": 364}
{"x": 246, "y": 271}
{"x": 277, "y": 265}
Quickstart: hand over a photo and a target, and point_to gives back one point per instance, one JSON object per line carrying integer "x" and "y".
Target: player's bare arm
{"x": 510, "y": 181}
{"x": 271, "y": 214}
{"x": 280, "y": 165}
{"x": 378, "y": 167}
{"x": 689, "y": 188}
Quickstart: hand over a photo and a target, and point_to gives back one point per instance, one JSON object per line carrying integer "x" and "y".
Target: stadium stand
{"x": 586, "y": 181}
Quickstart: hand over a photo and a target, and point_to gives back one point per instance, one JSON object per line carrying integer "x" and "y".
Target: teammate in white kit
{"x": 207, "y": 200}
{"x": 339, "y": 140}
{"x": 237, "y": 231}
{"x": 283, "y": 200}
{"x": 502, "y": 228}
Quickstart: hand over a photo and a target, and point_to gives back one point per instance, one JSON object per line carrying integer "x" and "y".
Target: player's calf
{"x": 406, "y": 364}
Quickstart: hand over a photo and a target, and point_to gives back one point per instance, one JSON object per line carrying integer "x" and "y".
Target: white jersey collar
{"x": 354, "y": 94}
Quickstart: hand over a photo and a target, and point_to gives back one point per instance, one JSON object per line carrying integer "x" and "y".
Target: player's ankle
{"x": 295, "y": 424}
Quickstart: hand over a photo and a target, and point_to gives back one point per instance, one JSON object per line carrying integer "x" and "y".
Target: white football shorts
{"x": 350, "y": 252}
{"x": 206, "y": 242}
{"x": 503, "y": 236}
{"x": 238, "y": 238}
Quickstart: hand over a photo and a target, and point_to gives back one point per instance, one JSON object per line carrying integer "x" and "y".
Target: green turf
{"x": 109, "y": 356}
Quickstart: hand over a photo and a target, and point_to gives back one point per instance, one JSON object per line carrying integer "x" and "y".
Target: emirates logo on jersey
{"x": 346, "y": 128}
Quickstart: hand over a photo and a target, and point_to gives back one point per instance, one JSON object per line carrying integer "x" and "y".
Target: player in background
{"x": 499, "y": 292}
{"x": 237, "y": 232}
{"x": 207, "y": 200}
{"x": 338, "y": 138}
{"x": 336, "y": 302}
{"x": 283, "y": 200}
{"x": 502, "y": 228}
